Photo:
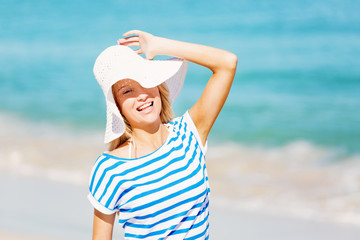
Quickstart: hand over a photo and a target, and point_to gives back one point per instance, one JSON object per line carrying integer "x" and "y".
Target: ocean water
{"x": 287, "y": 139}
{"x": 298, "y": 74}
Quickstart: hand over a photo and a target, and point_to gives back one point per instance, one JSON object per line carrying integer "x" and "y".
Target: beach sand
{"x": 15, "y": 236}
{"x": 295, "y": 191}
{"x": 34, "y": 208}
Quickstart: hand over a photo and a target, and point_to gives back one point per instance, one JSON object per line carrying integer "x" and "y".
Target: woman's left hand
{"x": 144, "y": 40}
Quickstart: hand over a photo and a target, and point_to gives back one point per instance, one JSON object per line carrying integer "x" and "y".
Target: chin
{"x": 150, "y": 116}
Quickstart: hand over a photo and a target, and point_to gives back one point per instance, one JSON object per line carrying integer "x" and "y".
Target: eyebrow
{"x": 126, "y": 85}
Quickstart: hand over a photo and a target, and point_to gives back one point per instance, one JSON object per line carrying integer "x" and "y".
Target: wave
{"x": 298, "y": 178}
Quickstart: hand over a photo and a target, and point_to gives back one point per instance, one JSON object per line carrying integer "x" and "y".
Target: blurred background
{"x": 287, "y": 142}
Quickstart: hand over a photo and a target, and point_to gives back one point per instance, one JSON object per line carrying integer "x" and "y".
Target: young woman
{"x": 154, "y": 175}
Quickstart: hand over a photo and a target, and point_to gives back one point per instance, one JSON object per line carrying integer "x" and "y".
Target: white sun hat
{"x": 121, "y": 62}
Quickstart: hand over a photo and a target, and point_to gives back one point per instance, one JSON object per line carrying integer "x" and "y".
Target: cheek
{"x": 125, "y": 105}
{"x": 158, "y": 98}
{"x": 154, "y": 92}
{"x": 158, "y": 102}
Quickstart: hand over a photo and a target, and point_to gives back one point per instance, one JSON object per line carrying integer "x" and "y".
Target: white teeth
{"x": 144, "y": 106}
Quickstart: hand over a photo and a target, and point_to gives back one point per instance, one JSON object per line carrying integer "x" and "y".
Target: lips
{"x": 145, "y": 106}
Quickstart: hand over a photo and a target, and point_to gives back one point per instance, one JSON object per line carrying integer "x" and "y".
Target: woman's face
{"x": 140, "y": 106}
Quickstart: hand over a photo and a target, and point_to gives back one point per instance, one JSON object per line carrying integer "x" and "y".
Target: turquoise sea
{"x": 298, "y": 73}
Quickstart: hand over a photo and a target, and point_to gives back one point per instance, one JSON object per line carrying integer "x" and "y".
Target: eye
{"x": 127, "y": 91}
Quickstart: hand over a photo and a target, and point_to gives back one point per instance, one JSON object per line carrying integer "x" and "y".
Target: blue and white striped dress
{"x": 163, "y": 195}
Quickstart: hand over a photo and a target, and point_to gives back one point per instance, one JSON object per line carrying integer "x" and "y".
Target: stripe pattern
{"x": 163, "y": 195}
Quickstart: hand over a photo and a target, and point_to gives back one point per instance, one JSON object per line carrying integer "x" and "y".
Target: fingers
{"x": 128, "y": 40}
{"x": 139, "y": 51}
{"x": 137, "y": 38}
{"x": 132, "y": 38}
{"x": 129, "y": 43}
{"x": 149, "y": 58}
{"x": 131, "y": 32}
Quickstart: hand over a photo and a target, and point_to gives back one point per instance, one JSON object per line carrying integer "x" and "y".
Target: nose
{"x": 142, "y": 96}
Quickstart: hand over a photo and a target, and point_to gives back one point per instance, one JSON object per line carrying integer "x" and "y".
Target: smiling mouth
{"x": 145, "y": 106}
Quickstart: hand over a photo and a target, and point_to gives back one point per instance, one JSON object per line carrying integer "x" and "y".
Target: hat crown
{"x": 112, "y": 60}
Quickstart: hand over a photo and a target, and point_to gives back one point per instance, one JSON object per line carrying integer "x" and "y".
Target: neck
{"x": 150, "y": 138}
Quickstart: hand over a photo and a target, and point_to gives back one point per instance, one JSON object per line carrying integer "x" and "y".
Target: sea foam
{"x": 299, "y": 179}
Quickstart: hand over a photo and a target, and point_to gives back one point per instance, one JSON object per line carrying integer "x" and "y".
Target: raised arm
{"x": 222, "y": 63}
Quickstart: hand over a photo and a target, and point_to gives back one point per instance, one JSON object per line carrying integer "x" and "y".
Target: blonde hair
{"x": 166, "y": 115}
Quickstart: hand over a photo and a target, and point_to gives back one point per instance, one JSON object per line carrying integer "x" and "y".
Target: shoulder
{"x": 178, "y": 123}
{"x": 186, "y": 124}
{"x": 109, "y": 159}
{"x": 105, "y": 166}
{"x": 121, "y": 152}
{"x": 182, "y": 122}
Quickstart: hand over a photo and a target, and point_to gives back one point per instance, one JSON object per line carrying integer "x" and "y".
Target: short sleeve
{"x": 104, "y": 185}
{"x": 193, "y": 129}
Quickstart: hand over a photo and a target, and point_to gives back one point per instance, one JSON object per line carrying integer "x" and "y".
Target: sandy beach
{"x": 34, "y": 208}
{"x": 286, "y": 193}
{"x": 10, "y": 236}
{"x": 43, "y": 209}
